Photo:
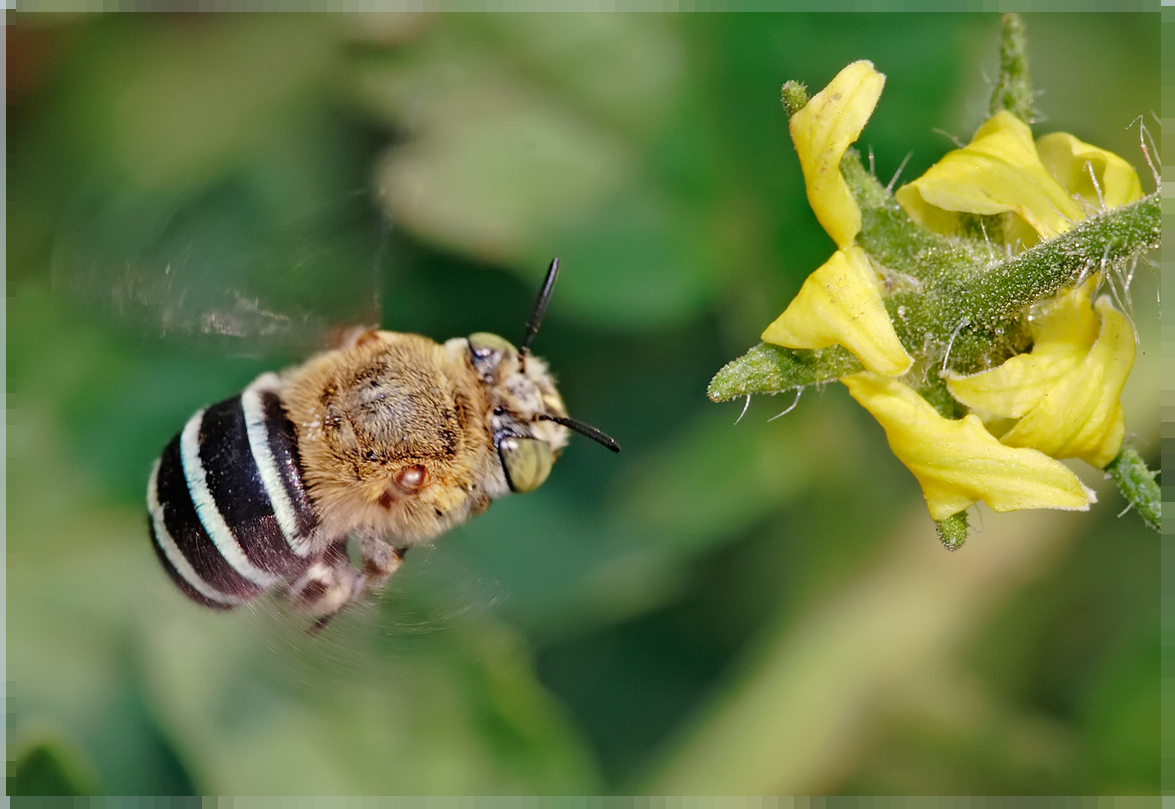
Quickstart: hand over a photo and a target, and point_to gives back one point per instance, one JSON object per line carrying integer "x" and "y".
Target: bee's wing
{"x": 224, "y": 267}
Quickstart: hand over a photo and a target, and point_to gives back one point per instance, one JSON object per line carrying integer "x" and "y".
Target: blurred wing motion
{"x": 223, "y": 266}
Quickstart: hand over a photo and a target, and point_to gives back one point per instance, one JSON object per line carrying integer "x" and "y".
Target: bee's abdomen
{"x": 228, "y": 511}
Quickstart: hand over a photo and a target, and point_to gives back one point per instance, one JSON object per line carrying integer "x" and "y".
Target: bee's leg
{"x": 380, "y": 560}
{"x": 326, "y": 586}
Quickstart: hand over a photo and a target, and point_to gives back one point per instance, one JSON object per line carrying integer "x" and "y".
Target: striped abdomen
{"x": 228, "y": 511}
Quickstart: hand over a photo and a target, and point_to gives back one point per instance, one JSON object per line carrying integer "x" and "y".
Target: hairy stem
{"x": 771, "y": 369}
{"x": 1013, "y": 90}
{"x": 1108, "y": 240}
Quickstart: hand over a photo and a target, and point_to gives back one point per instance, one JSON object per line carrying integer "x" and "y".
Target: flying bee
{"x": 390, "y": 440}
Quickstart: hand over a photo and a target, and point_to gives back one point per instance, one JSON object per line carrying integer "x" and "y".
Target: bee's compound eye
{"x": 487, "y": 350}
{"x": 527, "y": 462}
{"x": 412, "y": 478}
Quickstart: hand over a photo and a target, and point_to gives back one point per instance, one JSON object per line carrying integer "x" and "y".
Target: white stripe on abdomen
{"x": 206, "y": 509}
{"x": 258, "y": 432}
{"x": 174, "y": 554}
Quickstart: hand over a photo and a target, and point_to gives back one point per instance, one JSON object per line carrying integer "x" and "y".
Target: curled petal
{"x": 1068, "y": 319}
{"x": 998, "y": 172}
{"x": 1063, "y": 331}
{"x": 1080, "y": 416}
{"x": 1016, "y": 387}
{"x": 822, "y": 131}
{"x": 840, "y": 303}
{"x": 957, "y": 462}
{"x": 1070, "y": 162}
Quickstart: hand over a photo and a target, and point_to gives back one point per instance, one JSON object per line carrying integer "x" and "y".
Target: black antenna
{"x": 583, "y": 429}
{"x": 540, "y": 307}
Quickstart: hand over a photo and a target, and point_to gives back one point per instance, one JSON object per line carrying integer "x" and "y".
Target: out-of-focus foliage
{"x": 721, "y": 608}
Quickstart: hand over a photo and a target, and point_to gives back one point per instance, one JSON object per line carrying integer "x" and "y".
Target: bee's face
{"x": 522, "y": 393}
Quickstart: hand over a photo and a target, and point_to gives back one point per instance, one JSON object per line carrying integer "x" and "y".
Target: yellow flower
{"x": 1063, "y": 331}
{"x": 1065, "y": 392}
{"x": 1060, "y": 400}
{"x": 957, "y": 461}
{"x": 1077, "y": 165}
{"x": 840, "y": 303}
{"x": 827, "y": 125}
{"x": 1003, "y": 171}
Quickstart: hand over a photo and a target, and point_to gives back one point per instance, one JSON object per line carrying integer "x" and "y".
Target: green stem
{"x": 1137, "y": 484}
{"x": 771, "y": 369}
{"x": 1013, "y": 91}
{"x": 1108, "y": 240}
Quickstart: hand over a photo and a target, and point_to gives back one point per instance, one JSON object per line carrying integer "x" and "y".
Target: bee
{"x": 387, "y": 441}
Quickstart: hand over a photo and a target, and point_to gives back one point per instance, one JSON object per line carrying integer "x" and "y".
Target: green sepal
{"x": 771, "y": 369}
{"x": 1137, "y": 484}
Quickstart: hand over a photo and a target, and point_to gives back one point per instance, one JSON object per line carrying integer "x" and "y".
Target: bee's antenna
{"x": 583, "y": 429}
{"x": 540, "y": 307}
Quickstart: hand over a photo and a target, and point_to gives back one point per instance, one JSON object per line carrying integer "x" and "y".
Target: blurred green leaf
{"x": 158, "y": 80}
{"x": 1123, "y": 720}
{"x": 49, "y": 767}
{"x": 736, "y": 475}
{"x": 77, "y": 570}
{"x": 513, "y": 159}
{"x": 255, "y": 710}
{"x": 172, "y": 227}
{"x": 808, "y": 693}
{"x": 556, "y": 569}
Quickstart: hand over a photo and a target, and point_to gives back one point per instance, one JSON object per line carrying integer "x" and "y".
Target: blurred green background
{"x": 193, "y": 199}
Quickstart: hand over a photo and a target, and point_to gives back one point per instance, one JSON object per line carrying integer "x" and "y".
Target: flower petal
{"x": 1063, "y": 331}
{"x": 1080, "y": 416}
{"x": 1017, "y": 386}
{"x": 1070, "y": 161}
{"x": 822, "y": 131}
{"x": 840, "y": 303}
{"x": 998, "y": 172}
{"x": 957, "y": 462}
{"x": 1066, "y": 319}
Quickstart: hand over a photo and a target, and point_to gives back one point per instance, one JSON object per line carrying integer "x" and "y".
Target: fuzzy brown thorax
{"x": 400, "y": 435}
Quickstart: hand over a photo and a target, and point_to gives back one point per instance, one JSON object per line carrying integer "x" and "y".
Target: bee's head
{"x": 529, "y": 422}
{"x": 524, "y": 400}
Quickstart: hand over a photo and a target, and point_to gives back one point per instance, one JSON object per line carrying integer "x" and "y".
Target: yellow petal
{"x": 1063, "y": 331}
{"x": 1080, "y": 416}
{"x": 1017, "y": 386}
{"x": 957, "y": 462}
{"x": 1070, "y": 161}
{"x": 998, "y": 172}
{"x": 822, "y": 131}
{"x": 840, "y": 304}
{"x": 1066, "y": 319}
